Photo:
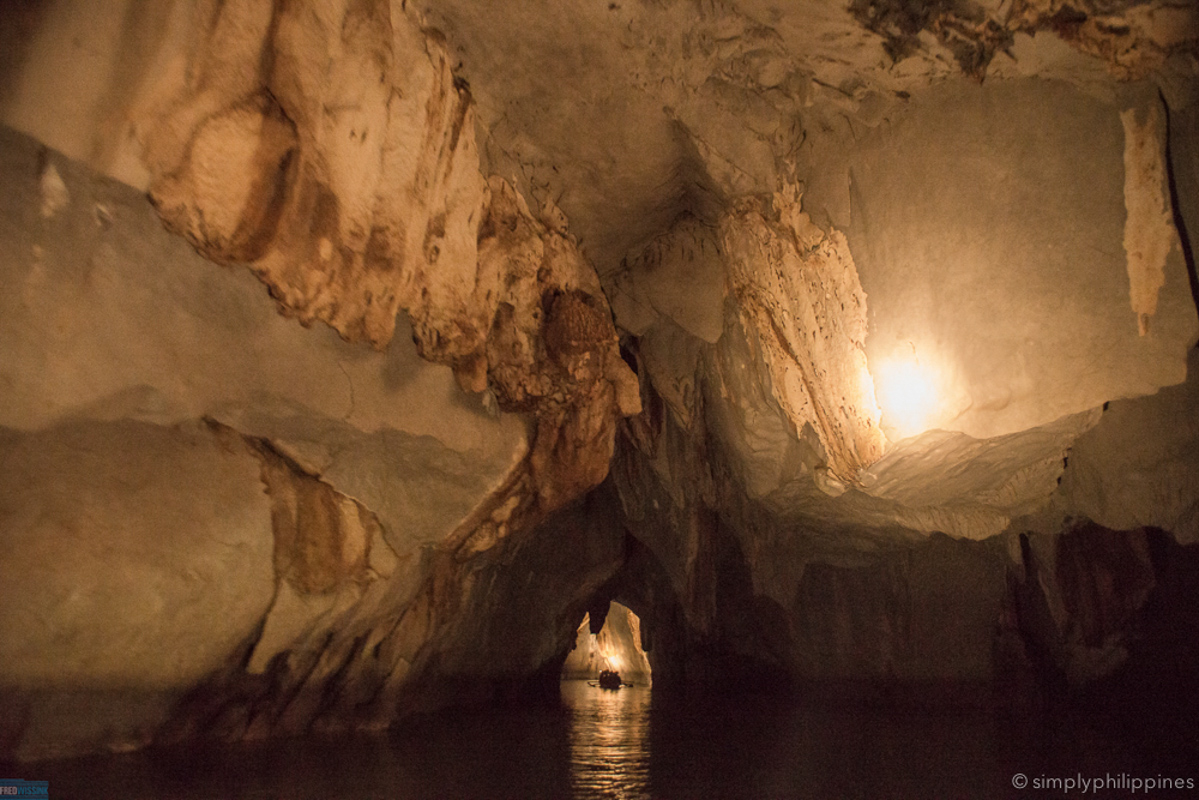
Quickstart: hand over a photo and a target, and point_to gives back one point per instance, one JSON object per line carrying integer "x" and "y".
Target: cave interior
{"x": 364, "y": 359}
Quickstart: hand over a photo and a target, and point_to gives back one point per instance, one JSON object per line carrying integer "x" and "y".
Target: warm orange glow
{"x": 617, "y": 647}
{"x": 908, "y": 394}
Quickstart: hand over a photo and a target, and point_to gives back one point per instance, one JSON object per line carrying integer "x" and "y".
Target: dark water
{"x": 599, "y": 743}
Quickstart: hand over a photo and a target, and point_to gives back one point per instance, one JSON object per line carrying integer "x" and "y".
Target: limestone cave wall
{"x": 352, "y": 352}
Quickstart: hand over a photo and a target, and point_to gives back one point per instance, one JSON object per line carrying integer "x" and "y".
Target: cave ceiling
{"x": 627, "y": 114}
{"x": 326, "y": 323}
{"x": 767, "y": 204}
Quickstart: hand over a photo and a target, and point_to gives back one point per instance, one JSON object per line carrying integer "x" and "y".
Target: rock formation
{"x": 353, "y": 352}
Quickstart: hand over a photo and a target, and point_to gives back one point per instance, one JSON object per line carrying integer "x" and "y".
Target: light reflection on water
{"x": 617, "y": 744}
{"x": 609, "y": 740}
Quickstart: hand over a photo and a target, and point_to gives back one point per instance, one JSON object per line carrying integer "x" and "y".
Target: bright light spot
{"x": 868, "y": 395}
{"x": 613, "y": 662}
{"x": 907, "y": 393}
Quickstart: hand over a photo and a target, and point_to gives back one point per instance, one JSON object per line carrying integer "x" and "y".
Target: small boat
{"x": 610, "y": 679}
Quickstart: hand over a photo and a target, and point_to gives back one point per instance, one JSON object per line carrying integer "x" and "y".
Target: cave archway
{"x": 609, "y": 638}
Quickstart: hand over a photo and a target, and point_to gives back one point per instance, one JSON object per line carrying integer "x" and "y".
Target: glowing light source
{"x": 908, "y": 395}
{"x": 616, "y": 647}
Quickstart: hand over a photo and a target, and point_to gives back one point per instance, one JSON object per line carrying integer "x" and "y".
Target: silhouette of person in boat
{"x": 610, "y": 679}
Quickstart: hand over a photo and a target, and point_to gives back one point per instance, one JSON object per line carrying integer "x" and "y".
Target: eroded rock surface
{"x": 295, "y": 132}
{"x": 369, "y": 458}
{"x": 606, "y": 299}
{"x": 385, "y": 480}
{"x": 1137, "y": 468}
{"x": 1134, "y": 39}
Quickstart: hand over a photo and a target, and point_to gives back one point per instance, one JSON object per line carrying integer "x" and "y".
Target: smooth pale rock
{"x": 681, "y": 274}
{"x": 1140, "y": 465}
{"x": 419, "y": 489}
{"x": 988, "y": 232}
{"x": 80, "y": 74}
{"x": 1017, "y": 472}
{"x": 746, "y": 419}
{"x": 134, "y": 559}
{"x": 112, "y": 317}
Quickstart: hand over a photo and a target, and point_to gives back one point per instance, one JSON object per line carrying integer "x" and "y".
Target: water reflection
{"x": 609, "y": 740}
{"x": 618, "y": 744}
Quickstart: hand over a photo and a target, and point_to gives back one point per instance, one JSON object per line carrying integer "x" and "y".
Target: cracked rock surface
{"x": 353, "y": 351}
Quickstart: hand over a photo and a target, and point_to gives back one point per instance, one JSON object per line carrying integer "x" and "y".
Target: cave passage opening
{"x": 609, "y": 642}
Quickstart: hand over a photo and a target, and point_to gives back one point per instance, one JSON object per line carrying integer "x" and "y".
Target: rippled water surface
{"x": 599, "y": 743}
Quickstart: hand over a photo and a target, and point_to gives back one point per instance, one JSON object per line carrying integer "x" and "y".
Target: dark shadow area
{"x": 742, "y": 648}
{"x": 19, "y": 23}
{"x": 622, "y": 744}
{"x": 493, "y": 753}
{"x": 714, "y": 740}
{"x": 1154, "y": 696}
{"x": 1176, "y": 173}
